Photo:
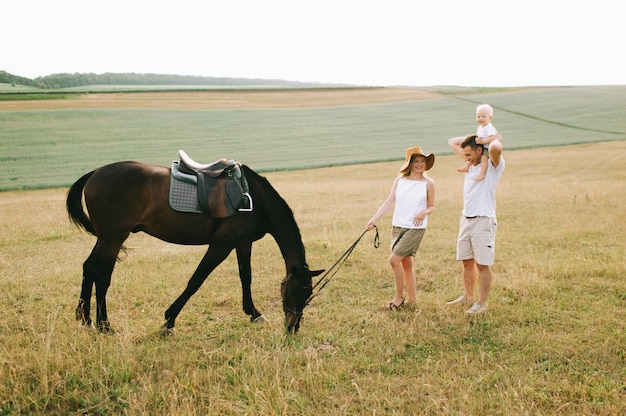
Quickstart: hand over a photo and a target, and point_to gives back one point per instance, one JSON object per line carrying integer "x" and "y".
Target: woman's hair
{"x": 407, "y": 170}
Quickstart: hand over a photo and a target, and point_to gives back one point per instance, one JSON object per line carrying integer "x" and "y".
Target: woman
{"x": 413, "y": 194}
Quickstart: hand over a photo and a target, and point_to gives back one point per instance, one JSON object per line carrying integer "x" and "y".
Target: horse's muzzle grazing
{"x": 296, "y": 289}
{"x": 292, "y": 320}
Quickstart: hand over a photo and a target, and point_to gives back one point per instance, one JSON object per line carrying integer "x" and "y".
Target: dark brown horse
{"x": 129, "y": 197}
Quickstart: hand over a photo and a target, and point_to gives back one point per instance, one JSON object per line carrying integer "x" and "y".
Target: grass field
{"x": 553, "y": 341}
{"x": 316, "y": 128}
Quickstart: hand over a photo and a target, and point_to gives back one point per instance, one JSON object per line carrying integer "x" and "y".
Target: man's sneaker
{"x": 477, "y": 309}
{"x": 459, "y": 300}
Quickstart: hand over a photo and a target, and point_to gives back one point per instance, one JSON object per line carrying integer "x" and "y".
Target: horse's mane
{"x": 286, "y": 211}
{"x": 267, "y": 185}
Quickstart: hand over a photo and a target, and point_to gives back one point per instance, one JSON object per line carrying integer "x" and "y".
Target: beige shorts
{"x": 477, "y": 240}
{"x": 406, "y": 241}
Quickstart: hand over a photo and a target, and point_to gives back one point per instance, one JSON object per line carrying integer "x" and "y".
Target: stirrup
{"x": 248, "y": 207}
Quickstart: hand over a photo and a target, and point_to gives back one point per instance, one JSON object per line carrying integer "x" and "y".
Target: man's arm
{"x": 455, "y": 144}
{"x": 495, "y": 151}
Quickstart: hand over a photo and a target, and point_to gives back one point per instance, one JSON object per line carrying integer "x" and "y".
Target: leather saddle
{"x": 222, "y": 187}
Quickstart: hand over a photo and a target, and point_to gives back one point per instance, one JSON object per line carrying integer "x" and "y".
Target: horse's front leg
{"x": 213, "y": 257}
{"x": 244, "y": 252}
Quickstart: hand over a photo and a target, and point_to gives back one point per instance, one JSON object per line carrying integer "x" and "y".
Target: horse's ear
{"x": 317, "y": 272}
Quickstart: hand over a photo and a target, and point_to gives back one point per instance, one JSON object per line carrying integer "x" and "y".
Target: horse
{"x": 130, "y": 197}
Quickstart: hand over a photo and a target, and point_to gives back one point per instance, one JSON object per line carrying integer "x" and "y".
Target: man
{"x": 477, "y": 229}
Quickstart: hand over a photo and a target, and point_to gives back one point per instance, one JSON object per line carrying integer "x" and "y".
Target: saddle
{"x": 221, "y": 187}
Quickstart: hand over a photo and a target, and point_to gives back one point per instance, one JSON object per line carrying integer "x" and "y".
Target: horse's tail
{"x": 74, "y": 205}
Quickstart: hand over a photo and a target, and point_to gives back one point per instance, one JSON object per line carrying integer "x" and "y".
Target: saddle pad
{"x": 184, "y": 196}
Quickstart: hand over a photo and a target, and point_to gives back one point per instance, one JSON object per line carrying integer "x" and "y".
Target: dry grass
{"x": 229, "y": 99}
{"x": 552, "y": 342}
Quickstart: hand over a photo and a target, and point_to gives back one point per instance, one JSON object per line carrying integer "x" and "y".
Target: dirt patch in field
{"x": 240, "y": 99}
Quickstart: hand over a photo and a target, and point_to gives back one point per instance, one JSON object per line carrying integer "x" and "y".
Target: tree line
{"x": 6, "y": 78}
{"x": 65, "y": 80}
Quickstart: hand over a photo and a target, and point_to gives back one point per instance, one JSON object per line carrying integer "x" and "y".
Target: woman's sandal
{"x": 392, "y": 306}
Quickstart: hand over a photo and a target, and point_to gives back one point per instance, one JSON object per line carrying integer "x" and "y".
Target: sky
{"x": 360, "y": 42}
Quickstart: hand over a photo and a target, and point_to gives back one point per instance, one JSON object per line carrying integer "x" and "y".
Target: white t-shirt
{"x": 479, "y": 198}
{"x": 484, "y": 132}
{"x": 410, "y": 200}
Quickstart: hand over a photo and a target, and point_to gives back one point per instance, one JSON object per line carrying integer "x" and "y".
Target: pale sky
{"x": 361, "y": 42}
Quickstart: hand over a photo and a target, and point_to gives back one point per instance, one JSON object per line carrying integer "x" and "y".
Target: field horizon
{"x": 273, "y": 130}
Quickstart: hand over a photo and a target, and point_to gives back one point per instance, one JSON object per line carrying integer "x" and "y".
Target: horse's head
{"x": 296, "y": 289}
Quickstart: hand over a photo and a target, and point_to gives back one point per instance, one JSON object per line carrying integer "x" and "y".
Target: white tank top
{"x": 410, "y": 200}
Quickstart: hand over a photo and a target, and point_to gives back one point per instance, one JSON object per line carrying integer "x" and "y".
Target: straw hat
{"x": 413, "y": 151}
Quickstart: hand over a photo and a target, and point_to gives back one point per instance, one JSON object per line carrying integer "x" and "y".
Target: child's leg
{"x": 464, "y": 168}
{"x": 483, "y": 168}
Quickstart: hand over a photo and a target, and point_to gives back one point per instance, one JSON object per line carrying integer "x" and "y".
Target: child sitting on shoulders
{"x": 486, "y": 133}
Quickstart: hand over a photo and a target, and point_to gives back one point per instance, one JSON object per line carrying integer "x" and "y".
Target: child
{"x": 486, "y": 133}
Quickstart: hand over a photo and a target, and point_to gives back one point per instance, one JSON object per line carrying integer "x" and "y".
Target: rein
{"x": 323, "y": 281}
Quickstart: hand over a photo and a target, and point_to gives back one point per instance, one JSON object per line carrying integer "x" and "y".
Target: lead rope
{"x": 335, "y": 267}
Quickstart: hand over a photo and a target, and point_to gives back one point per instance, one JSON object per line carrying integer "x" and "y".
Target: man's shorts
{"x": 406, "y": 241}
{"x": 477, "y": 240}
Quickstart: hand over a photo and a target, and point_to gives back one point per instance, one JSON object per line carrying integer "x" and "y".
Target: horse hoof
{"x": 86, "y": 327}
{"x": 104, "y": 327}
{"x": 167, "y": 332}
{"x": 106, "y": 330}
{"x": 260, "y": 319}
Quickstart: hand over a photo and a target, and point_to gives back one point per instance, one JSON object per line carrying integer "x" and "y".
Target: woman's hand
{"x": 419, "y": 219}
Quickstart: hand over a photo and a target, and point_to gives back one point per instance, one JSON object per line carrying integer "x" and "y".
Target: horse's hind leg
{"x": 83, "y": 310}
{"x": 97, "y": 270}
